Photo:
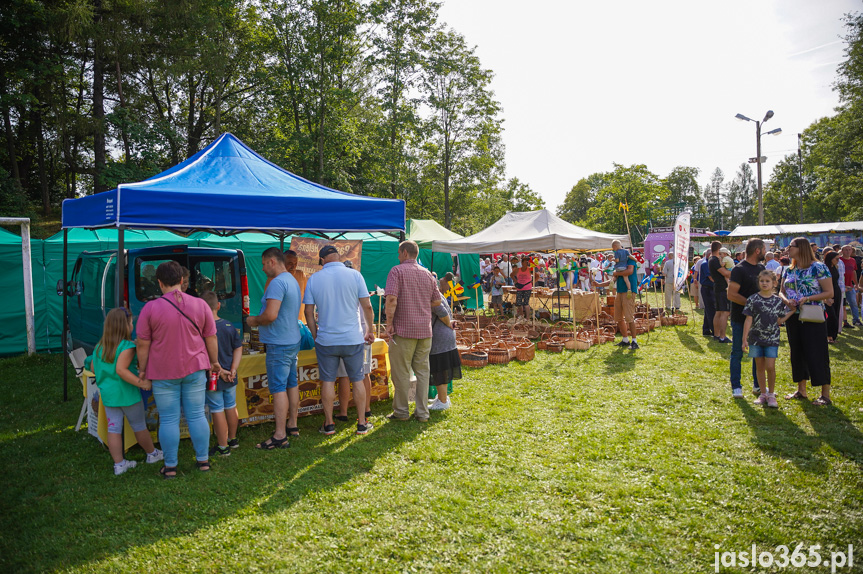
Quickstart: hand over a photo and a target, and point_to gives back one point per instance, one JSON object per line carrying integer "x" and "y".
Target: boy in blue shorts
{"x": 223, "y": 401}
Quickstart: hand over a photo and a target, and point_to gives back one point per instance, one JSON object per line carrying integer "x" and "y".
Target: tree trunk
{"x": 123, "y": 133}
{"x": 98, "y": 104}
{"x": 10, "y": 137}
{"x": 40, "y": 145}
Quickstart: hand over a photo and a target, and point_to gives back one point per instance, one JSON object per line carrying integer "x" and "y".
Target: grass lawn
{"x": 601, "y": 461}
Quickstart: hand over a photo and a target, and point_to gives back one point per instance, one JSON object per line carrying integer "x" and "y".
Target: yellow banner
{"x": 255, "y": 404}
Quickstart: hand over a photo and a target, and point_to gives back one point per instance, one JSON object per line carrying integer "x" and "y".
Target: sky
{"x": 587, "y": 84}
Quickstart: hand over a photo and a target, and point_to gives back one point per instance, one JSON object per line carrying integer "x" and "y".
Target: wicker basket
{"x": 554, "y": 345}
{"x": 525, "y": 351}
{"x": 498, "y": 355}
{"x": 462, "y": 345}
{"x": 666, "y": 320}
{"x": 474, "y": 358}
{"x": 563, "y": 330}
{"x": 542, "y": 345}
{"x": 681, "y": 319}
{"x": 606, "y": 335}
{"x": 583, "y": 341}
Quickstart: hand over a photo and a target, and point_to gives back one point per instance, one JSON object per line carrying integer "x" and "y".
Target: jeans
{"x": 188, "y": 393}
{"x": 851, "y": 296}
{"x": 737, "y": 357}
{"x": 709, "y": 310}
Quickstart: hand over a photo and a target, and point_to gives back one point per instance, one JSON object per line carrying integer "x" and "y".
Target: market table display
{"x": 541, "y": 299}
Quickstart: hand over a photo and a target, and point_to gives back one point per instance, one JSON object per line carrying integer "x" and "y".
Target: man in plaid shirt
{"x": 411, "y": 293}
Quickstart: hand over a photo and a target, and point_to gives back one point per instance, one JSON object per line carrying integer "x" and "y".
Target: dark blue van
{"x": 93, "y": 285}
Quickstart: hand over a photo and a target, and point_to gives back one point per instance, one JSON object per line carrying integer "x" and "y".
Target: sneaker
{"x": 327, "y": 429}
{"x": 756, "y": 391}
{"x": 847, "y": 325}
{"x": 368, "y": 415}
{"x": 762, "y": 400}
{"x": 737, "y": 393}
{"x": 395, "y": 417}
{"x": 364, "y": 429}
{"x": 123, "y": 466}
{"x": 771, "y": 401}
{"x": 634, "y": 346}
{"x": 623, "y": 344}
{"x": 439, "y": 406}
{"x": 858, "y": 324}
{"x": 155, "y": 456}
{"x": 724, "y": 340}
{"x": 434, "y": 405}
{"x": 220, "y": 450}
{"x": 234, "y": 443}
{"x": 342, "y": 418}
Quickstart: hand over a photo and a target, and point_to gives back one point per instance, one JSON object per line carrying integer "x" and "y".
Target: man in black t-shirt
{"x": 720, "y": 276}
{"x": 743, "y": 282}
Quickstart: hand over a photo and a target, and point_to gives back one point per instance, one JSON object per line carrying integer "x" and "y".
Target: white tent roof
{"x": 797, "y": 228}
{"x": 530, "y": 231}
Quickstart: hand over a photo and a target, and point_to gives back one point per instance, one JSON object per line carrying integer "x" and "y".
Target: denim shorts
{"x": 330, "y": 356}
{"x": 220, "y": 401}
{"x": 768, "y": 352}
{"x": 367, "y": 362}
{"x": 282, "y": 367}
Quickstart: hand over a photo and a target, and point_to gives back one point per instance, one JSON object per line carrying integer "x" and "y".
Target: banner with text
{"x": 681, "y": 250}
{"x": 307, "y": 249}
{"x": 255, "y": 402}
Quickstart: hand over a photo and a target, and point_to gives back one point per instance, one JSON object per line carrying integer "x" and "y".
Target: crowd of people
{"x": 181, "y": 338}
{"x": 801, "y": 287}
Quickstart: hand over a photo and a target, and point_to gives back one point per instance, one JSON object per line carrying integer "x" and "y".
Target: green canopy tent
{"x": 49, "y": 324}
{"x": 426, "y": 231}
{"x": 13, "y": 328}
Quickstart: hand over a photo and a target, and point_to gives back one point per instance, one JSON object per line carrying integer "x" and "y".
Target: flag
{"x": 659, "y": 259}
{"x": 476, "y": 283}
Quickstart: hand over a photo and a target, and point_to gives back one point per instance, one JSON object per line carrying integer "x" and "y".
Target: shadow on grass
{"x": 621, "y": 360}
{"x": 69, "y": 509}
{"x": 778, "y": 436}
{"x": 836, "y": 430}
{"x": 689, "y": 341}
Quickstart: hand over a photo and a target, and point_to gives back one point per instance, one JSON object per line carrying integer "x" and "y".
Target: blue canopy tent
{"x": 226, "y": 188}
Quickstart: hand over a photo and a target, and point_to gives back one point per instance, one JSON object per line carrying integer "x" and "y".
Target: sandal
{"x": 168, "y": 469}
{"x": 203, "y": 465}
{"x": 293, "y": 431}
{"x": 796, "y": 395}
{"x": 822, "y": 402}
{"x": 327, "y": 429}
{"x": 273, "y": 443}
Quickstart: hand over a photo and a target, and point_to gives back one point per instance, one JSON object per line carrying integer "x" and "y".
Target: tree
{"x": 635, "y": 186}
{"x": 456, "y": 90}
{"x": 741, "y": 205}
{"x": 682, "y": 184}
{"x": 577, "y": 202}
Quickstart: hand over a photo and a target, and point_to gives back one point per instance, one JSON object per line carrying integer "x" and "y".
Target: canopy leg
{"x": 65, "y": 317}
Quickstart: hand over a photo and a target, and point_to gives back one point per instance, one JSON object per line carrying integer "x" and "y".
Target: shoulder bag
{"x": 810, "y": 313}
{"x": 195, "y": 325}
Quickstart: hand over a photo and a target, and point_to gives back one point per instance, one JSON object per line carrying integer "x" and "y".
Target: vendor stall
{"x": 255, "y": 404}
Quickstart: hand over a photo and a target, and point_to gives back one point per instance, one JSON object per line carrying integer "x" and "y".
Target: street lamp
{"x": 758, "y": 159}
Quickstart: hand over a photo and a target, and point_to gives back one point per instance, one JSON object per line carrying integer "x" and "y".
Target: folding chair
{"x": 77, "y": 357}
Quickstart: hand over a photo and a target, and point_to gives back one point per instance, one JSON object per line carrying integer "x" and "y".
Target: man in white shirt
{"x": 506, "y": 268}
{"x": 771, "y": 264}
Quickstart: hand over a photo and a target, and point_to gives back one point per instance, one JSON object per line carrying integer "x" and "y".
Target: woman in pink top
{"x": 524, "y": 285}
{"x": 176, "y": 345}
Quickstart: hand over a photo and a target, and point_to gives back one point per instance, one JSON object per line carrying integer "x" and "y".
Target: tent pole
{"x": 281, "y": 241}
{"x": 121, "y": 264}
{"x": 65, "y": 316}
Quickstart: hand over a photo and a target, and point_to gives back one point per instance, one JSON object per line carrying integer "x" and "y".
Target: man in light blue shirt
{"x": 279, "y": 330}
{"x": 339, "y": 293}
{"x": 771, "y": 264}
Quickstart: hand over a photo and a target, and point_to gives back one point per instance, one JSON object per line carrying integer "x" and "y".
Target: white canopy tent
{"x": 796, "y": 228}
{"x": 530, "y": 231}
